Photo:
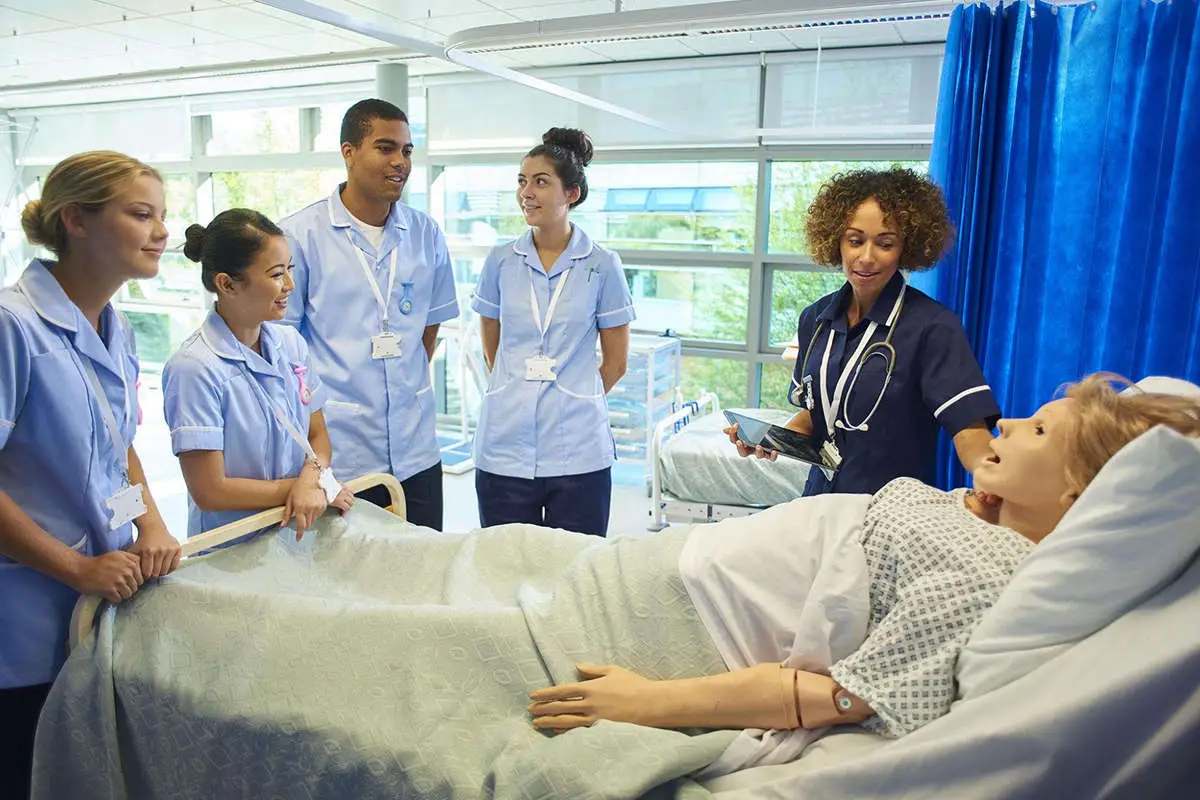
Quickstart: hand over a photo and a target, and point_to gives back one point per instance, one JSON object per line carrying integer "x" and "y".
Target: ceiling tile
{"x": 243, "y": 23}
{"x": 312, "y": 43}
{"x": 156, "y": 8}
{"x": 530, "y": 12}
{"x": 76, "y": 12}
{"x": 164, "y": 31}
{"x": 22, "y": 22}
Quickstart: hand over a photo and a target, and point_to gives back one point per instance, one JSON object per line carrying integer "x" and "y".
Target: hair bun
{"x": 34, "y": 226}
{"x": 571, "y": 139}
{"x": 193, "y": 245}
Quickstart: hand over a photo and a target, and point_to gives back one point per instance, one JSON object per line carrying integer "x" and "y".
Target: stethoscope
{"x": 865, "y": 353}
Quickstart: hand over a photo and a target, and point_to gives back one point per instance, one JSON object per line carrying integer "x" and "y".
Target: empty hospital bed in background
{"x": 698, "y": 476}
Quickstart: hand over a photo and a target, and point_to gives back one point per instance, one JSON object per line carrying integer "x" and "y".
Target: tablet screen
{"x": 774, "y": 437}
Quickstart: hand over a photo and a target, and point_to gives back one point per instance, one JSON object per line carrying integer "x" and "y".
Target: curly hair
{"x": 911, "y": 202}
{"x": 1106, "y": 419}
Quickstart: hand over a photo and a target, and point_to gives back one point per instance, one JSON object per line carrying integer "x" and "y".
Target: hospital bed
{"x": 698, "y": 476}
{"x": 1080, "y": 682}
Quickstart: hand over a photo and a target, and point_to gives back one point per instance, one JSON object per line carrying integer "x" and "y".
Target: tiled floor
{"x": 630, "y": 504}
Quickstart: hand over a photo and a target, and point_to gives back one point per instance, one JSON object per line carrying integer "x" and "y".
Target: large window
{"x": 705, "y": 206}
{"x": 274, "y": 193}
{"x": 709, "y": 253}
{"x": 266, "y": 130}
{"x": 791, "y": 292}
{"x": 707, "y": 303}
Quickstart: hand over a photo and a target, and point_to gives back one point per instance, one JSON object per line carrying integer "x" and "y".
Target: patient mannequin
{"x": 1038, "y": 467}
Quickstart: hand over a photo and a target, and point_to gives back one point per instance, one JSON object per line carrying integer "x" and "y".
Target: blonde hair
{"x": 1105, "y": 419}
{"x": 88, "y": 180}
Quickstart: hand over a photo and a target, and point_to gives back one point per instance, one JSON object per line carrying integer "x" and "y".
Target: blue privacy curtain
{"x": 1068, "y": 145}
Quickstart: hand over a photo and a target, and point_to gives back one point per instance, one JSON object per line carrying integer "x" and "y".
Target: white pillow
{"x": 1131, "y": 532}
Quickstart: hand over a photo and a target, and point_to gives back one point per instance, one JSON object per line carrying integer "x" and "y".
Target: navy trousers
{"x": 577, "y": 503}
{"x": 19, "y": 710}
{"x": 422, "y": 497}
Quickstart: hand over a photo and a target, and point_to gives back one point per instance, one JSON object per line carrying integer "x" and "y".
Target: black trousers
{"x": 19, "y": 709}
{"x": 577, "y": 503}
{"x": 422, "y": 497}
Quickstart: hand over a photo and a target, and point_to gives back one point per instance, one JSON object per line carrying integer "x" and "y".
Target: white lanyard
{"x": 831, "y": 406}
{"x": 110, "y": 421}
{"x": 374, "y": 284}
{"x": 542, "y": 327}
{"x": 279, "y": 415}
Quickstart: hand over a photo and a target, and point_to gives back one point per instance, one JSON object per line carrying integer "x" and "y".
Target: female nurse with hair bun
{"x": 72, "y": 488}
{"x": 544, "y": 449}
{"x": 241, "y": 398}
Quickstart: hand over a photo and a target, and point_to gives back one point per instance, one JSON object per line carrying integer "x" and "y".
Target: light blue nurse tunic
{"x": 541, "y": 429}
{"x": 380, "y": 412}
{"x": 219, "y": 394}
{"x": 58, "y": 461}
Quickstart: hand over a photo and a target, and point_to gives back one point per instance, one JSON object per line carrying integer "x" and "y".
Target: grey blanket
{"x": 376, "y": 659}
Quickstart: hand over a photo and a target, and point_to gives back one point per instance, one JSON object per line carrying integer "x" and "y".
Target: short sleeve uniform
{"x": 58, "y": 460}
{"x": 219, "y": 394}
{"x": 538, "y": 429}
{"x": 936, "y": 383}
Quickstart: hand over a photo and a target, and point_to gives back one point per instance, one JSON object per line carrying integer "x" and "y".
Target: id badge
{"x": 832, "y": 455}
{"x": 329, "y": 484}
{"x": 125, "y": 506}
{"x": 385, "y": 345}
{"x": 540, "y": 368}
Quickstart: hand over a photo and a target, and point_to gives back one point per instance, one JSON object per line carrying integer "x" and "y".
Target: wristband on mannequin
{"x": 821, "y": 702}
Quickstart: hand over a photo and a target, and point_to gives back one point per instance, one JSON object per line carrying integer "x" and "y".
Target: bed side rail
{"x": 86, "y": 608}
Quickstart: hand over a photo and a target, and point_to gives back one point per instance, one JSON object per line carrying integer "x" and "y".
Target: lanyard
{"x": 831, "y": 405}
{"x": 264, "y": 397}
{"x": 374, "y": 284}
{"x": 110, "y": 421}
{"x": 543, "y": 326}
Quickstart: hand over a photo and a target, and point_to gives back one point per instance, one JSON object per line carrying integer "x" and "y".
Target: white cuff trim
{"x": 617, "y": 311}
{"x": 960, "y": 396}
{"x": 479, "y": 299}
{"x": 443, "y": 305}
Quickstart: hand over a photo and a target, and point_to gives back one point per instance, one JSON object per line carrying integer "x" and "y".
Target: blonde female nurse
{"x": 72, "y": 488}
{"x": 544, "y": 449}
{"x": 241, "y": 398}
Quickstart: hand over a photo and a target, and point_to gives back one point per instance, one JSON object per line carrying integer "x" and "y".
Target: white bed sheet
{"x": 699, "y": 464}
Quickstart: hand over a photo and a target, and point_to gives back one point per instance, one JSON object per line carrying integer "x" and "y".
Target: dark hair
{"x": 569, "y": 150}
{"x": 908, "y": 200}
{"x": 229, "y": 244}
{"x": 357, "y": 122}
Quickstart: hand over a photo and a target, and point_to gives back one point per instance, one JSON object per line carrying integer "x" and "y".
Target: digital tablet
{"x": 782, "y": 440}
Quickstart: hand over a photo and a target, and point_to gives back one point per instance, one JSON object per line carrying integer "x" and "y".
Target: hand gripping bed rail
{"x": 662, "y": 433}
{"x": 86, "y": 608}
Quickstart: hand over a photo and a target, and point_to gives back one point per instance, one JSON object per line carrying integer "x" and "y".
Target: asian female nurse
{"x": 241, "y": 398}
{"x": 544, "y": 449}
{"x": 72, "y": 487}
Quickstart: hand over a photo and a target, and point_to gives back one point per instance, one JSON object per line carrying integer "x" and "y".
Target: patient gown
{"x": 879, "y": 591}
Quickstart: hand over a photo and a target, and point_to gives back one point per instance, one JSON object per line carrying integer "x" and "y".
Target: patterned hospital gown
{"x": 935, "y": 569}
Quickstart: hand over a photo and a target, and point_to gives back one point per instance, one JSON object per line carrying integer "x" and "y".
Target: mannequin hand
{"x": 157, "y": 549}
{"x": 343, "y": 501}
{"x": 612, "y": 693}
